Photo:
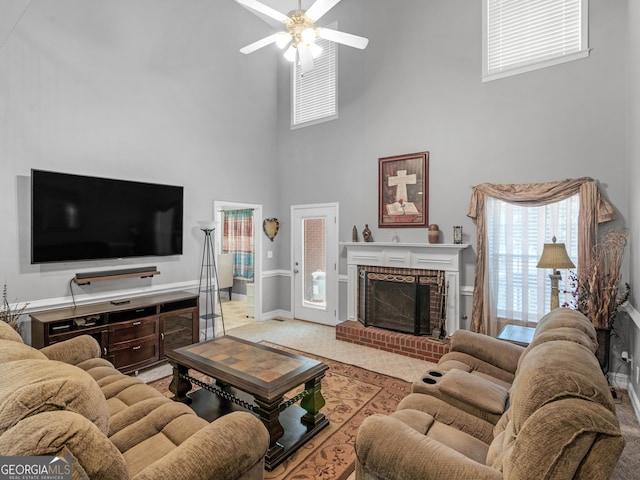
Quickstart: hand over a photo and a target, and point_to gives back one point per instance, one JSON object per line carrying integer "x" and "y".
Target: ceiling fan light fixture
{"x": 315, "y": 50}
{"x": 290, "y": 54}
{"x": 301, "y": 32}
{"x": 283, "y": 39}
{"x": 308, "y": 35}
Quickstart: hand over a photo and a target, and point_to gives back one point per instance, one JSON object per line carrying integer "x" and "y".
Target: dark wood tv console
{"x": 132, "y": 335}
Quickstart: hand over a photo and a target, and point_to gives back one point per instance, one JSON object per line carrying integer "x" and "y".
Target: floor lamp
{"x": 554, "y": 256}
{"x": 209, "y": 272}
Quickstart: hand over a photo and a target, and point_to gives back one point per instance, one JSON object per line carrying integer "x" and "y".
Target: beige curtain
{"x": 594, "y": 209}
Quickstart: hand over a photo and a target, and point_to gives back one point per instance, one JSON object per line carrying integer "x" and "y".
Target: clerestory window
{"x": 524, "y": 35}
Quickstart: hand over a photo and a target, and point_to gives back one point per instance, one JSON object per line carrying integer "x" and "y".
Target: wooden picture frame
{"x": 403, "y": 190}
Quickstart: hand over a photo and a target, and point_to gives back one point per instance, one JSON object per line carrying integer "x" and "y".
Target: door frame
{"x": 331, "y": 287}
{"x": 219, "y": 206}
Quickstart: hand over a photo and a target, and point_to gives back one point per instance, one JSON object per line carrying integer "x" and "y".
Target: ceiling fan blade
{"x": 264, "y": 9}
{"x": 343, "y": 38}
{"x": 306, "y": 59}
{"x": 259, "y": 44}
{"x": 319, "y": 8}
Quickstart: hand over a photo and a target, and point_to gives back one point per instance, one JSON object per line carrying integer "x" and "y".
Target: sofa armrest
{"x": 74, "y": 350}
{"x": 500, "y": 353}
{"x": 387, "y": 448}
{"x": 232, "y": 447}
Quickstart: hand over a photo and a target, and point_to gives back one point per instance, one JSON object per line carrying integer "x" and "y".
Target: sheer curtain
{"x": 594, "y": 209}
{"x": 238, "y": 239}
{"x": 515, "y": 237}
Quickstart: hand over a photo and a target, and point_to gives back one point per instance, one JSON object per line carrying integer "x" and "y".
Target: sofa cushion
{"x": 474, "y": 390}
{"x": 451, "y": 437}
{"x": 63, "y": 433}
{"x": 447, "y": 414}
{"x": 156, "y": 434}
{"x": 566, "y": 317}
{"x": 8, "y": 333}
{"x": 567, "y": 438}
{"x": 554, "y": 370}
{"x": 469, "y": 363}
{"x": 29, "y": 387}
{"x": 10, "y": 351}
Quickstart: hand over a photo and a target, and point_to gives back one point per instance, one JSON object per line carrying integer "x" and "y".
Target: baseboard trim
{"x": 276, "y": 314}
{"x": 619, "y": 380}
{"x": 635, "y": 401}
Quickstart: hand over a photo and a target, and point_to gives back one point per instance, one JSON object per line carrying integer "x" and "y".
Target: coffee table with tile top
{"x": 253, "y": 377}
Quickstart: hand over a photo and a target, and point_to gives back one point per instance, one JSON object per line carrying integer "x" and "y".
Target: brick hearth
{"x": 423, "y": 348}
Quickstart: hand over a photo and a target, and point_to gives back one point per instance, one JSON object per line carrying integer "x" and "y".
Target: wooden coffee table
{"x": 253, "y": 377}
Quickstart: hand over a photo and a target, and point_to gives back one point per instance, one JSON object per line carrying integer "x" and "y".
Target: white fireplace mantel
{"x": 437, "y": 256}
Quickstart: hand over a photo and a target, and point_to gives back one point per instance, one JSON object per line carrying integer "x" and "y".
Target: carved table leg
{"x": 313, "y": 402}
{"x": 269, "y": 413}
{"x": 180, "y": 386}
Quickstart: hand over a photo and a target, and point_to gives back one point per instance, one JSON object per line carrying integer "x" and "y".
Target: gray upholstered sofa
{"x": 493, "y": 410}
{"x": 64, "y": 400}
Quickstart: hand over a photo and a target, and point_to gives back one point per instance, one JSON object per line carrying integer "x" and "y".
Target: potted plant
{"x": 11, "y": 313}
{"x": 597, "y": 289}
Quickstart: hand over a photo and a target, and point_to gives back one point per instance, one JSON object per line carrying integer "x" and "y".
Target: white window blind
{"x": 524, "y": 35}
{"x": 315, "y": 94}
{"x": 515, "y": 237}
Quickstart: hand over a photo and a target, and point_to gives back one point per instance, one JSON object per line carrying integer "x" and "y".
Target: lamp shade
{"x": 207, "y": 224}
{"x": 554, "y": 255}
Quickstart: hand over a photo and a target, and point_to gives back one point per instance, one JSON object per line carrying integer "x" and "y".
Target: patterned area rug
{"x": 351, "y": 394}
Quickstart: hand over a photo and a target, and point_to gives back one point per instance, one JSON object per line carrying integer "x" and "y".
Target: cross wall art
{"x": 403, "y": 190}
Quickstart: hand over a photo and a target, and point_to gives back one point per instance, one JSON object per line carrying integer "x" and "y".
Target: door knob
{"x": 296, "y": 271}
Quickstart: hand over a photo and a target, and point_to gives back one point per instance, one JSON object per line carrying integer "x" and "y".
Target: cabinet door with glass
{"x": 178, "y": 324}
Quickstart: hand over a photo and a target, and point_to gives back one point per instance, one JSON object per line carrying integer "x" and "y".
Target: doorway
{"x": 315, "y": 263}
{"x": 242, "y": 296}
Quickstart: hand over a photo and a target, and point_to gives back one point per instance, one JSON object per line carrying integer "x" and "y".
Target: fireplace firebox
{"x": 404, "y": 300}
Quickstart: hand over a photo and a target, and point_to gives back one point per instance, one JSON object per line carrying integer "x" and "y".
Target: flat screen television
{"x": 75, "y": 217}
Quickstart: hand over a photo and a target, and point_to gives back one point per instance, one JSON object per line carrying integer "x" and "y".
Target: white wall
{"x": 150, "y": 90}
{"x": 417, "y": 87}
{"x": 632, "y": 342}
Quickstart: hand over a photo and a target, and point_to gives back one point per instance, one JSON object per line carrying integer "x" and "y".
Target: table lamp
{"x": 554, "y": 256}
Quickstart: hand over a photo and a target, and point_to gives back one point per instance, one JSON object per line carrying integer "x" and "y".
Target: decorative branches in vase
{"x": 597, "y": 288}
{"x": 10, "y": 313}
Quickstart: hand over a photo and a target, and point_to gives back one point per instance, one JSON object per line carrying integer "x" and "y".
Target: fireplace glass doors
{"x": 403, "y": 300}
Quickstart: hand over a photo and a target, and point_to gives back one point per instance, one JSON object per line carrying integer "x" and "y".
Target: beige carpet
{"x": 628, "y": 467}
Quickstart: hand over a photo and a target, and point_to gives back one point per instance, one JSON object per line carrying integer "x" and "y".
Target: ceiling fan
{"x": 301, "y": 32}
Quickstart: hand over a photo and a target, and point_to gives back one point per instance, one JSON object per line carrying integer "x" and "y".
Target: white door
{"x": 315, "y": 263}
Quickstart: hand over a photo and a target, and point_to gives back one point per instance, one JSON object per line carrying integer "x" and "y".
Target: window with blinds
{"x": 516, "y": 235}
{"x": 525, "y": 35}
{"x": 315, "y": 94}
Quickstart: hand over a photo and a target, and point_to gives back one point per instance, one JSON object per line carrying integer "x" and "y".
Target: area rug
{"x": 351, "y": 394}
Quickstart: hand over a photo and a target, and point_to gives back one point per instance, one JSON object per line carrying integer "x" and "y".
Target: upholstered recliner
{"x": 559, "y": 420}
{"x": 64, "y": 400}
{"x": 462, "y": 379}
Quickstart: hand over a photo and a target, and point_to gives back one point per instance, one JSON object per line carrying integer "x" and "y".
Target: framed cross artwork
{"x": 403, "y": 190}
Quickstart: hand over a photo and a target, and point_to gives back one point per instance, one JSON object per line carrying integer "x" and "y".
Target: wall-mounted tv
{"x": 76, "y": 217}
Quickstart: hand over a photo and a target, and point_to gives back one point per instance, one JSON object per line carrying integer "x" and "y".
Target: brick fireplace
{"x": 420, "y": 285}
